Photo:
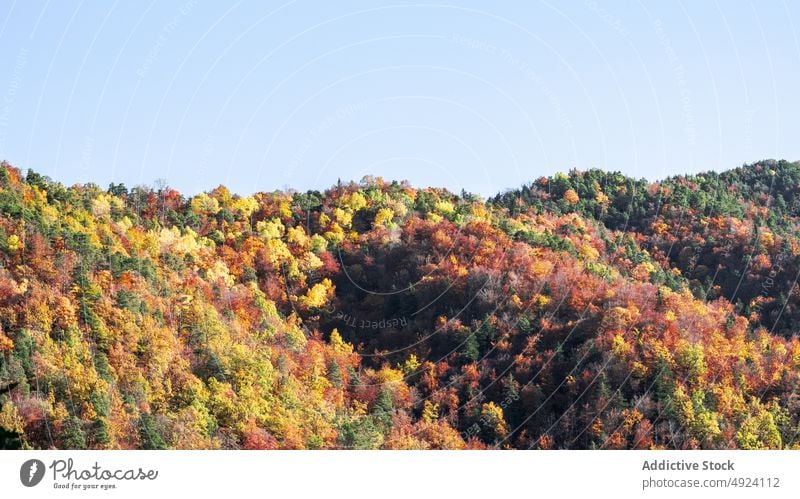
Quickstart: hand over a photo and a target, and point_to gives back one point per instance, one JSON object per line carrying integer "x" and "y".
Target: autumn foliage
{"x": 583, "y": 311}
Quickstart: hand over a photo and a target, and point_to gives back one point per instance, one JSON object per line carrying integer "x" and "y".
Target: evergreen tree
{"x": 72, "y": 435}
{"x": 149, "y": 436}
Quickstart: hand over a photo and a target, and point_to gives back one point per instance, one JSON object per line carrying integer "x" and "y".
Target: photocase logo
{"x": 31, "y": 472}
{"x": 68, "y": 475}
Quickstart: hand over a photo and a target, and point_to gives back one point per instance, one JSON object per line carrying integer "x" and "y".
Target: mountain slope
{"x": 587, "y": 310}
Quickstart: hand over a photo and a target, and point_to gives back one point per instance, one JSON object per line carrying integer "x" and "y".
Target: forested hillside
{"x": 585, "y": 310}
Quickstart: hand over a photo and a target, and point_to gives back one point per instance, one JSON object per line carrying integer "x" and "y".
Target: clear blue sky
{"x": 476, "y": 95}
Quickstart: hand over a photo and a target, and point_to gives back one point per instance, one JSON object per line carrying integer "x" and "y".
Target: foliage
{"x": 585, "y": 310}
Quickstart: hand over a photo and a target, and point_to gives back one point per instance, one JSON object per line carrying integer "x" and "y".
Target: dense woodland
{"x": 587, "y": 310}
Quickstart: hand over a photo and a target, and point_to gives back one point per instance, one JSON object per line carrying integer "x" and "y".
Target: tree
{"x": 571, "y": 197}
{"x": 72, "y": 435}
{"x": 149, "y": 436}
{"x": 384, "y": 407}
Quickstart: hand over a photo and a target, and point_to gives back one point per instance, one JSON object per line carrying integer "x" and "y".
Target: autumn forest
{"x": 587, "y": 310}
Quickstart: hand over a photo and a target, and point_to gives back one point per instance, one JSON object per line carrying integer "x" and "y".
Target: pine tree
{"x": 149, "y": 437}
{"x": 72, "y": 435}
{"x": 384, "y": 407}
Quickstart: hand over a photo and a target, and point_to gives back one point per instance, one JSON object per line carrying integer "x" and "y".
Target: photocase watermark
{"x": 87, "y": 153}
{"x": 206, "y": 151}
{"x": 521, "y": 66}
{"x": 613, "y": 21}
{"x": 355, "y": 322}
{"x": 11, "y": 95}
{"x": 341, "y": 114}
{"x": 680, "y": 79}
{"x": 31, "y": 472}
{"x": 66, "y": 475}
{"x": 749, "y": 117}
{"x": 163, "y": 37}
{"x": 769, "y": 281}
{"x": 486, "y": 420}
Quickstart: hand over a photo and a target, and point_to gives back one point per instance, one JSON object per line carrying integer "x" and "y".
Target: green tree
{"x": 149, "y": 436}
{"x": 72, "y": 435}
